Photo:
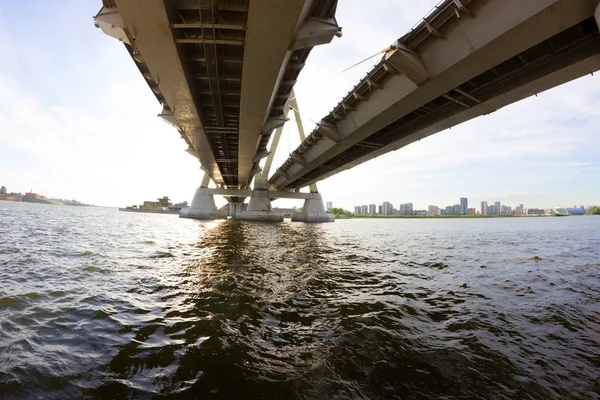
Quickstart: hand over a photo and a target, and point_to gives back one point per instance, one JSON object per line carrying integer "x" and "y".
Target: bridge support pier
{"x": 203, "y": 205}
{"x": 313, "y": 210}
{"x": 259, "y": 208}
{"x": 235, "y": 208}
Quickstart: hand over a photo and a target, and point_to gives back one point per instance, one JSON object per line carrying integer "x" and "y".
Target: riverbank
{"x": 440, "y": 216}
{"x": 39, "y": 201}
{"x": 51, "y": 202}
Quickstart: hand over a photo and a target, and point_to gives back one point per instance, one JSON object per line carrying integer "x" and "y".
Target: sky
{"x": 78, "y": 121}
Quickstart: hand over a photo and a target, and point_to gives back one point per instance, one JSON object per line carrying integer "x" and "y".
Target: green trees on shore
{"x": 339, "y": 212}
{"x": 594, "y": 210}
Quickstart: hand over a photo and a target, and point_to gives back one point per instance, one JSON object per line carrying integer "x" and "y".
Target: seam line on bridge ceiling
{"x": 212, "y": 34}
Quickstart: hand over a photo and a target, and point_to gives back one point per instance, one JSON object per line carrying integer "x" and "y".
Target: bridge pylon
{"x": 259, "y": 206}
{"x": 313, "y": 209}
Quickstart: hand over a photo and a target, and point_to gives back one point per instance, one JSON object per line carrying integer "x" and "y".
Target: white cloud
{"x": 119, "y": 156}
{"x": 85, "y": 126}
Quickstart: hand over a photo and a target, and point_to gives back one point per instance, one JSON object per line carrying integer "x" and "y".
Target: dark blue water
{"x": 96, "y": 303}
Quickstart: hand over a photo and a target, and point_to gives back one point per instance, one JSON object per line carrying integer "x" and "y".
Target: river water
{"x": 96, "y": 303}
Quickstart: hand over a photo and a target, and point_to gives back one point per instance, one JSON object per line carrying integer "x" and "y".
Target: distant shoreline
{"x": 445, "y": 216}
{"x": 50, "y": 202}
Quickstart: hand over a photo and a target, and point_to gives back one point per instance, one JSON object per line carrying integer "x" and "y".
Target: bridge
{"x": 224, "y": 72}
{"x": 464, "y": 59}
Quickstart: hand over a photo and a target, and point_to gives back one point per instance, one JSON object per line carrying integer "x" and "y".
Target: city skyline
{"x": 72, "y": 130}
{"x": 460, "y": 208}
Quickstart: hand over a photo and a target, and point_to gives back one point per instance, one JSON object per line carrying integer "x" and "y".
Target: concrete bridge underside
{"x": 222, "y": 69}
{"x": 466, "y": 58}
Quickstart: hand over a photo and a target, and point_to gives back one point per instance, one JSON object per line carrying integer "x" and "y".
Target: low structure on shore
{"x": 162, "y": 206}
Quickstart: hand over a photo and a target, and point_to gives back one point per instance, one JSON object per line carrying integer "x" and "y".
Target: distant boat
{"x": 564, "y": 211}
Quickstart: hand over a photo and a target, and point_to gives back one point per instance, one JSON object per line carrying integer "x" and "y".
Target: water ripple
{"x": 100, "y": 304}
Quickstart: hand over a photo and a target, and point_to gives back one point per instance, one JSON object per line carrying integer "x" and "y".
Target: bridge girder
{"x": 222, "y": 70}
{"x": 499, "y": 54}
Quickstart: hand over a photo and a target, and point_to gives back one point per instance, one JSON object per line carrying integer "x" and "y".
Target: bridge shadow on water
{"x": 290, "y": 311}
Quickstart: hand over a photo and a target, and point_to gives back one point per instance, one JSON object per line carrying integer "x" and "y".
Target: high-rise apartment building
{"x": 484, "y": 208}
{"x": 506, "y": 210}
{"x": 433, "y": 210}
{"x": 406, "y": 209}
{"x": 364, "y": 210}
{"x": 450, "y": 210}
{"x": 372, "y": 209}
{"x": 464, "y": 206}
{"x": 357, "y": 210}
{"x": 329, "y": 206}
{"x": 386, "y": 208}
{"x": 519, "y": 210}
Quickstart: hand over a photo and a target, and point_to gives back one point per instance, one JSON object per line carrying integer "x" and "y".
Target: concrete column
{"x": 260, "y": 181}
{"x": 235, "y": 208}
{"x": 259, "y": 208}
{"x": 202, "y": 207}
{"x": 597, "y": 15}
{"x": 294, "y": 106}
{"x": 313, "y": 210}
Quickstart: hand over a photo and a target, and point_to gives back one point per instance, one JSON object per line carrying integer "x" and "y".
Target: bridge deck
{"x": 446, "y": 71}
{"x": 222, "y": 69}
